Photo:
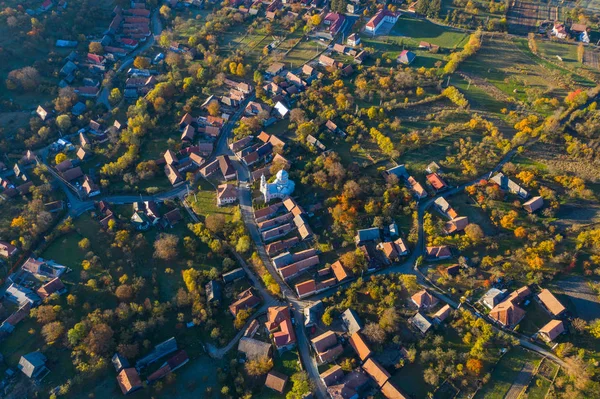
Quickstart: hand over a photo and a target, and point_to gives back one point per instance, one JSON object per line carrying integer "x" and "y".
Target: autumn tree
{"x": 374, "y": 333}
{"x": 240, "y": 318}
{"x": 475, "y": 366}
{"x": 474, "y": 232}
{"x": 100, "y": 339}
{"x": 141, "y": 62}
{"x": 165, "y": 246}
{"x": 63, "y": 122}
{"x": 96, "y": 48}
{"x": 215, "y": 223}
{"x": 27, "y": 79}
{"x": 260, "y": 366}
{"x": 124, "y": 293}
{"x": 53, "y": 331}
{"x": 214, "y": 108}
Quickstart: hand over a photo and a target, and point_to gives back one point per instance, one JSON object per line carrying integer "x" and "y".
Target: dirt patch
{"x": 520, "y": 382}
{"x": 578, "y": 297}
{"x": 554, "y": 158}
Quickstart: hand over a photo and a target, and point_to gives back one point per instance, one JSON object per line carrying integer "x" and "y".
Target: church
{"x": 282, "y": 186}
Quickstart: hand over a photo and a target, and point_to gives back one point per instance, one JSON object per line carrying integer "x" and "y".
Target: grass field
{"x": 204, "y": 202}
{"x": 505, "y": 373}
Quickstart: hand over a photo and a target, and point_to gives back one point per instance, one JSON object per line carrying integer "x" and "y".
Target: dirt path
{"x": 520, "y": 382}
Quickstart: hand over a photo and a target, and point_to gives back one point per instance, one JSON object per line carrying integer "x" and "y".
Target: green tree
{"x": 63, "y": 122}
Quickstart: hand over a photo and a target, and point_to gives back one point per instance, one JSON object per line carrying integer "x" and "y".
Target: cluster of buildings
{"x": 579, "y": 32}
{"x": 381, "y": 246}
{"x": 17, "y": 181}
{"x": 29, "y": 286}
{"x": 167, "y": 352}
{"x": 147, "y": 214}
{"x": 127, "y": 29}
{"x": 506, "y": 310}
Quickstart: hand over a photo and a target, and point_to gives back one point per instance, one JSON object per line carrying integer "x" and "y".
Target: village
{"x": 328, "y": 199}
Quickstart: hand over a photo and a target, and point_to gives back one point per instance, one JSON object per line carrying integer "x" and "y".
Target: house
{"x": 312, "y": 313}
{"x": 312, "y": 141}
{"x": 334, "y": 21}
{"x": 72, "y": 174}
{"x": 401, "y": 247}
{"x": 326, "y": 347}
{"x": 417, "y": 188}
{"x": 214, "y": 291}
{"x": 307, "y": 70}
{"x": 552, "y": 330}
{"x": 390, "y": 391}
{"x": 7, "y": 250}
{"x": 33, "y": 365}
{"x": 82, "y": 154}
{"x": 378, "y": 20}
{"x": 550, "y": 303}
{"x": 119, "y": 362}
{"x": 172, "y": 217}
{"x": 533, "y": 204}
{"x": 227, "y": 168}
{"x": 173, "y": 175}
{"x": 456, "y": 224}
{"x": 42, "y": 113}
{"x": 433, "y": 167}
{"x": 507, "y": 313}
{"x": 436, "y": 182}
{"x": 444, "y": 208}
{"x": 175, "y": 362}
{"x": 351, "y": 322}
{"x": 90, "y": 188}
{"x": 226, "y": 194}
{"x": 275, "y": 68}
{"x": 326, "y": 61}
{"x": 507, "y": 184}
{"x": 406, "y": 57}
{"x": 306, "y": 288}
{"x": 245, "y": 300}
{"x": 365, "y": 235}
{"x": 420, "y": 322}
{"x": 254, "y": 349}
{"x": 398, "y": 171}
{"x": 241, "y": 144}
{"x": 353, "y": 40}
{"x": 376, "y": 372}
{"x": 339, "y": 271}
{"x": 438, "y": 253}
{"x": 389, "y": 249}
{"x": 276, "y": 381}
{"x": 279, "y": 325}
{"x": 188, "y": 133}
{"x": 442, "y": 314}
{"x": 332, "y": 375}
{"x": 51, "y": 287}
{"x": 493, "y": 297}
{"x": 359, "y": 345}
{"x": 559, "y": 30}
{"x": 424, "y": 300}
{"x": 43, "y": 268}
{"x": 129, "y": 380}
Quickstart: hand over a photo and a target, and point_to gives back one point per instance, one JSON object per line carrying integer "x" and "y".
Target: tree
{"x": 243, "y": 244}
{"x": 215, "y": 223}
{"x": 474, "y": 232}
{"x": 45, "y": 314}
{"x": 165, "y": 11}
{"x": 214, "y": 108}
{"x": 165, "y": 246}
{"x": 315, "y": 20}
{"x": 96, "y": 48}
{"x": 115, "y": 96}
{"x": 327, "y": 319}
{"x": 374, "y": 333}
{"x": 240, "y": 318}
{"x": 124, "y": 293}
{"x": 141, "y": 62}
{"x": 100, "y": 339}
{"x": 475, "y": 366}
{"x": 594, "y": 328}
{"x": 63, "y": 122}
{"x": 301, "y": 385}
{"x": 431, "y": 377}
{"x": 580, "y": 52}
{"x": 532, "y": 43}
{"x": 389, "y": 320}
{"x": 60, "y": 157}
{"x": 27, "y": 79}
{"x": 84, "y": 244}
{"x": 53, "y": 331}
{"x": 260, "y": 366}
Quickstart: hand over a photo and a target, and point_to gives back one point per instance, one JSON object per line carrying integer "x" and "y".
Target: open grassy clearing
{"x": 505, "y": 373}
{"x": 204, "y": 202}
{"x": 466, "y": 206}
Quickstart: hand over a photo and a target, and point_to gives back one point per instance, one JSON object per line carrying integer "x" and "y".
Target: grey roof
{"x": 399, "y": 171}
{"x": 213, "y": 291}
{"x": 21, "y": 295}
{"x": 254, "y": 349}
{"x": 493, "y": 297}
{"x": 234, "y": 275}
{"x": 32, "y": 364}
{"x": 421, "y": 322}
{"x": 351, "y": 321}
{"x": 370, "y": 234}
{"x": 119, "y": 362}
{"x": 312, "y": 313}
{"x": 507, "y": 184}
